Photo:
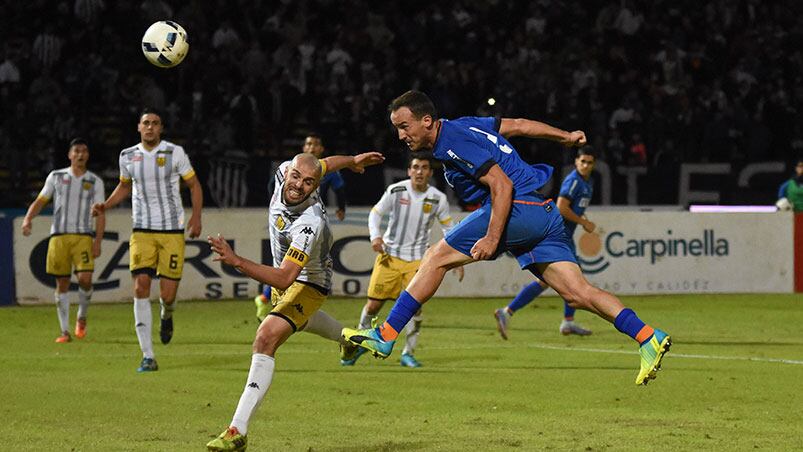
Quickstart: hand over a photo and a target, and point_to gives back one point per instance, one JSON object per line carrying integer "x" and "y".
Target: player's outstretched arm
{"x": 356, "y": 163}
{"x": 280, "y": 278}
{"x": 33, "y": 211}
{"x": 534, "y": 129}
{"x": 122, "y": 191}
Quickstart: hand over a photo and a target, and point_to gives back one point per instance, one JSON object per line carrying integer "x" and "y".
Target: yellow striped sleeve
{"x": 446, "y": 220}
{"x": 189, "y": 175}
{"x": 125, "y": 179}
{"x": 323, "y": 167}
{"x": 43, "y": 198}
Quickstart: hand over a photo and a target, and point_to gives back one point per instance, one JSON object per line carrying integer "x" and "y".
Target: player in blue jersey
{"x": 313, "y": 144}
{"x": 482, "y": 167}
{"x": 575, "y": 195}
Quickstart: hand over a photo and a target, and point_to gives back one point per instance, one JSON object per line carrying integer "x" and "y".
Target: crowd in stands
{"x": 653, "y": 83}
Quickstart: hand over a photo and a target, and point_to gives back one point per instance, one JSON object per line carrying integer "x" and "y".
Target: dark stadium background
{"x": 654, "y": 84}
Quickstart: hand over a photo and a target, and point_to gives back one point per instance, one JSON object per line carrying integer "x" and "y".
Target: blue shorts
{"x": 534, "y": 232}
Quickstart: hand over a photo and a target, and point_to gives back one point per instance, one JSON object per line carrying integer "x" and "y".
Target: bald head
{"x": 302, "y": 177}
{"x": 307, "y": 162}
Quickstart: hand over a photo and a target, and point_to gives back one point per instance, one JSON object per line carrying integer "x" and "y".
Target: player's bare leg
{"x": 567, "y": 279}
{"x": 168, "y": 288}
{"x": 62, "y": 298}
{"x": 438, "y": 260}
{"x": 84, "y": 297}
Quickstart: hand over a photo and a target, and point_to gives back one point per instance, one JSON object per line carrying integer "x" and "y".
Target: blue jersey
{"x": 470, "y": 146}
{"x": 334, "y": 179}
{"x": 579, "y": 191}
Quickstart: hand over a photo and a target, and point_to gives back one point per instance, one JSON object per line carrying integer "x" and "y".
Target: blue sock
{"x": 525, "y": 296}
{"x": 266, "y": 292}
{"x": 568, "y": 311}
{"x": 628, "y": 322}
{"x": 405, "y": 308}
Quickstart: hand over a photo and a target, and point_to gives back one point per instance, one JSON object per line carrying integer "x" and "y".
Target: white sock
{"x": 63, "y": 310}
{"x": 324, "y": 325}
{"x": 84, "y": 296}
{"x": 365, "y": 319}
{"x": 142, "y": 323}
{"x": 166, "y": 310}
{"x": 413, "y": 329}
{"x": 259, "y": 378}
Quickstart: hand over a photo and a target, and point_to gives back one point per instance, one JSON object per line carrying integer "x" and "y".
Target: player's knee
{"x": 265, "y": 342}
{"x": 85, "y": 280}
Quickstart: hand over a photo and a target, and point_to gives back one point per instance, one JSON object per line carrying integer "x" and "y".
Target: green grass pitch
{"x": 732, "y": 381}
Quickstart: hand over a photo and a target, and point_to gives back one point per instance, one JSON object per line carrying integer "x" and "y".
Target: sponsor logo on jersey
{"x": 404, "y": 201}
{"x": 398, "y": 189}
{"x": 427, "y": 207}
{"x": 454, "y": 156}
{"x": 137, "y": 157}
{"x": 307, "y": 230}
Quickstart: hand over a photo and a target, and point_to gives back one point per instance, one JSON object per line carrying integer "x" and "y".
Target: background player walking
{"x": 71, "y": 246}
{"x": 150, "y": 173}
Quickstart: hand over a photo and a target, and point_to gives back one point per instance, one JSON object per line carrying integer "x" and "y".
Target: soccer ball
{"x": 165, "y": 44}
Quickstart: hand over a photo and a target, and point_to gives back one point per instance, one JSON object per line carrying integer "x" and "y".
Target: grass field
{"x": 733, "y": 381}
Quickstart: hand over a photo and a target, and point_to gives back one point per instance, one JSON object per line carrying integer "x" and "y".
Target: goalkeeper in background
{"x": 790, "y": 194}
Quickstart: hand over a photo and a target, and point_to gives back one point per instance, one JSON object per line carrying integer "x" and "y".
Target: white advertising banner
{"x": 633, "y": 253}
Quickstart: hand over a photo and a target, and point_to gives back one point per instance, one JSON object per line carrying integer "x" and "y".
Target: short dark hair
{"x": 316, "y": 135}
{"x": 150, "y": 111}
{"x": 586, "y": 150}
{"x": 421, "y": 156}
{"x": 799, "y": 160}
{"x": 419, "y": 104}
{"x": 78, "y": 141}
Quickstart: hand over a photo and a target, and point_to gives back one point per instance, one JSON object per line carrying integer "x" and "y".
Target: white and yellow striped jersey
{"x": 155, "y": 197}
{"x": 301, "y": 234}
{"x": 412, "y": 214}
{"x": 73, "y": 197}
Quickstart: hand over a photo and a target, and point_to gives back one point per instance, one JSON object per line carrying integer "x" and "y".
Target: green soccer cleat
{"x": 652, "y": 352}
{"x": 371, "y": 340}
{"x": 350, "y": 353}
{"x": 263, "y": 308}
{"x": 229, "y": 440}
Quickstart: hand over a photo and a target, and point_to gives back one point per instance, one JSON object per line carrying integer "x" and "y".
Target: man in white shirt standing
{"x": 71, "y": 246}
{"x": 150, "y": 173}
{"x": 413, "y": 206}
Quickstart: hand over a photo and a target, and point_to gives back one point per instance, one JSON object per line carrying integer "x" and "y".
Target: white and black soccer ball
{"x": 165, "y": 44}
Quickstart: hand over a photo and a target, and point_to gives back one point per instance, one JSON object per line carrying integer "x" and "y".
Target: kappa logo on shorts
{"x": 307, "y": 230}
{"x": 299, "y": 308}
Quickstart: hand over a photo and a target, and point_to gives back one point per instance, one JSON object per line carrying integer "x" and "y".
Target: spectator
{"x": 790, "y": 194}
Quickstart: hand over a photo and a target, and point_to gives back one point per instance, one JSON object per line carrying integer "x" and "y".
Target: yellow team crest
{"x": 280, "y": 223}
{"x": 427, "y": 207}
{"x": 161, "y": 161}
{"x": 87, "y": 186}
